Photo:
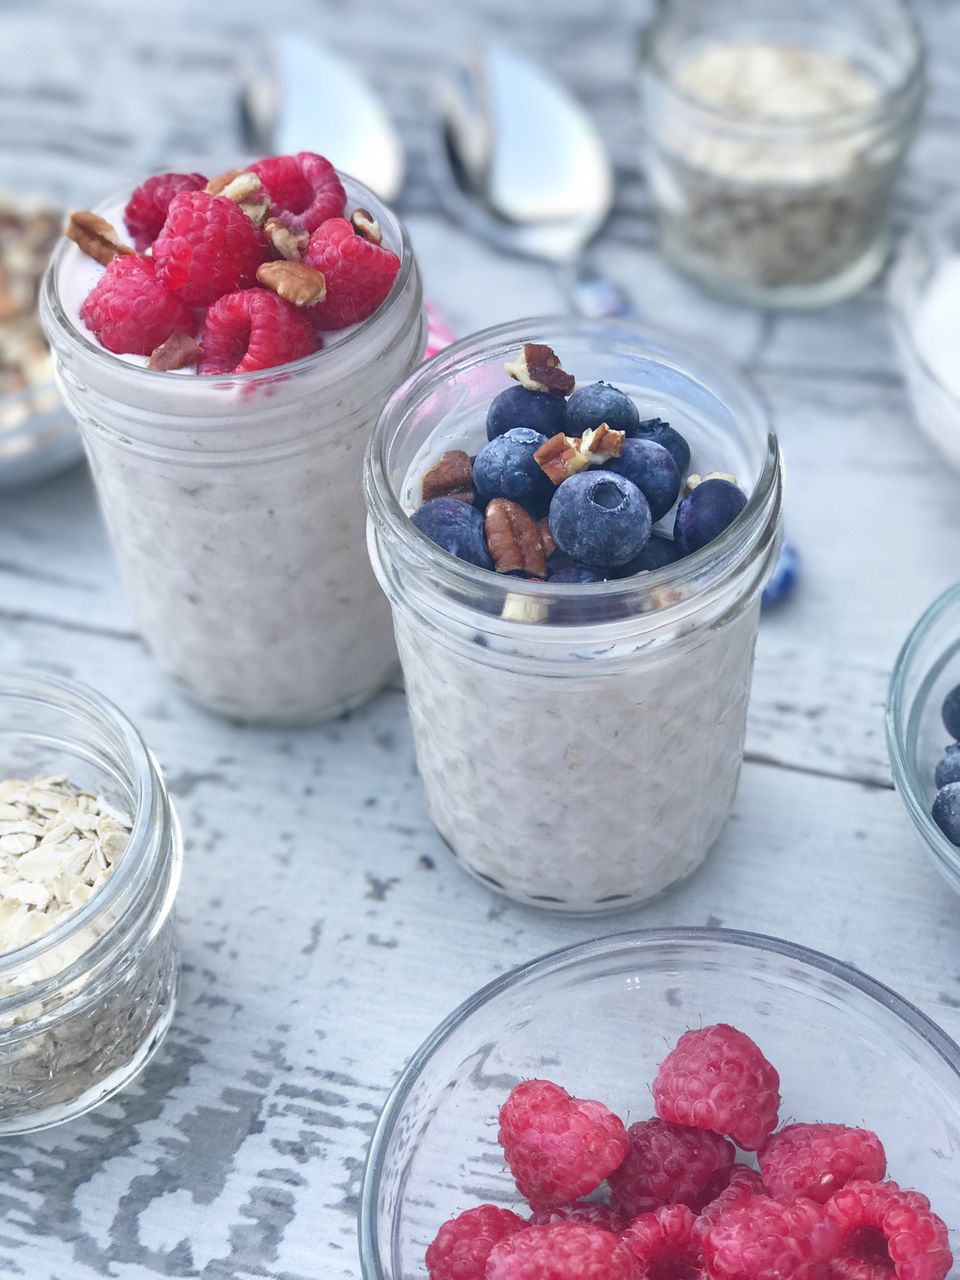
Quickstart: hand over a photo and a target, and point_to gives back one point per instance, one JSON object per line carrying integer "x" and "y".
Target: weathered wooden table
{"x": 325, "y": 929}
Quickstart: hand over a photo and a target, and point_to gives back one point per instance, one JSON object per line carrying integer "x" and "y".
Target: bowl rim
{"x": 945, "y": 855}
{"x": 734, "y": 939}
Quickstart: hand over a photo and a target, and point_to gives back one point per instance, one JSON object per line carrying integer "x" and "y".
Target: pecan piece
{"x": 288, "y": 243}
{"x": 600, "y": 444}
{"x": 95, "y": 236}
{"x": 245, "y": 189}
{"x": 563, "y": 456}
{"x": 178, "y": 352}
{"x": 546, "y": 537}
{"x": 513, "y": 539}
{"x": 537, "y": 368}
{"x": 366, "y": 225}
{"x": 296, "y": 282}
{"x": 450, "y": 477}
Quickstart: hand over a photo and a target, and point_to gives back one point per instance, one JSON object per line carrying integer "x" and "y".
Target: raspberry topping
{"x": 359, "y": 274}
{"x": 254, "y": 329}
{"x": 562, "y": 1252}
{"x": 886, "y": 1232}
{"x": 718, "y": 1079}
{"x": 584, "y": 1214}
{"x": 207, "y": 247}
{"x": 558, "y": 1147}
{"x": 666, "y": 1244}
{"x": 130, "y": 312}
{"x": 146, "y": 209}
{"x": 304, "y": 189}
{"x": 815, "y": 1160}
{"x": 462, "y": 1245}
{"x": 763, "y": 1239}
{"x": 670, "y": 1164}
{"x": 744, "y": 1182}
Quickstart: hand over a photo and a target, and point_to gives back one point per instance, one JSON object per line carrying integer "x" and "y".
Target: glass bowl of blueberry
{"x": 671, "y": 1103}
{"x": 923, "y": 729}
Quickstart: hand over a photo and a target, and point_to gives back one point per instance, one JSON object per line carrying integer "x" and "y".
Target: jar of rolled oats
{"x": 90, "y": 855}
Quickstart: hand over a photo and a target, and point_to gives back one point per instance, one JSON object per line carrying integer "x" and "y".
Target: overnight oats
{"x": 575, "y": 570}
{"x": 226, "y": 347}
{"x": 90, "y": 858}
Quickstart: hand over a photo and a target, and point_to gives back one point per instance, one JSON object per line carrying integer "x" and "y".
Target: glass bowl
{"x": 598, "y": 1018}
{"x": 927, "y": 668}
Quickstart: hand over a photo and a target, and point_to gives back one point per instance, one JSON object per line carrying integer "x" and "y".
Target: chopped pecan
{"x": 95, "y": 236}
{"x": 216, "y": 186}
{"x": 366, "y": 225}
{"x": 563, "y": 456}
{"x": 600, "y": 444}
{"x": 537, "y": 368}
{"x": 288, "y": 243}
{"x": 450, "y": 477}
{"x": 245, "y": 189}
{"x": 296, "y": 282}
{"x": 179, "y": 351}
{"x": 546, "y": 537}
{"x": 513, "y": 539}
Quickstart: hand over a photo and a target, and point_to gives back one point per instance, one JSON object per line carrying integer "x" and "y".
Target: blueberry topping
{"x": 652, "y": 469}
{"x": 456, "y": 527}
{"x": 599, "y": 402}
{"x": 705, "y": 513}
{"x": 518, "y": 407}
{"x": 657, "y": 554}
{"x": 576, "y": 573}
{"x": 506, "y": 468}
{"x": 600, "y": 519}
{"x": 946, "y": 811}
{"x": 662, "y": 433}
{"x": 951, "y": 712}
{"x": 948, "y": 767}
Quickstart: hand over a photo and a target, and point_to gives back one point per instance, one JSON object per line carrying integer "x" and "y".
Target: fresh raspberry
{"x": 563, "y": 1251}
{"x": 887, "y": 1232}
{"x": 584, "y": 1214}
{"x": 815, "y": 1160}
{"x": 304, "y": 189}
{"x": 207, "y": 247}
{"x": 254, "y": 329}
{"x": 129, "y": 311}
{"x": 666, "y": 1244}
{"x": 670, "y": 1164}
{"x": 463, "y": 1244}
{"x": 743, "y": 1182}
{"x": 558, "y": 1147}
{"x": 146, "y": 209}
{"x": 764, "y": 1239}
{"x": 359, "y": 274}
{"x": 718, "y": 1079}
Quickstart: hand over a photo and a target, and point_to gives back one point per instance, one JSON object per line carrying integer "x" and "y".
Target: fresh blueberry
{"x": 948, "y": 766}
{"x": 946, "y": 811}
{"x": 455, "y": 526}
{"x": 518, "y": 407}
{"x": 600, "y": 519}
{"x": 657, "y": 554}
{"x": 652, "y": 469}
{"x": 705, "y": 513}
{"x": 506, "y": 468}
{"x": 951, "y": 712}
{"x": 599, "y": 402}
{"x": 783, "y": 579}
{"x": 576, "y": 573}
{"x": 662, "y": 433}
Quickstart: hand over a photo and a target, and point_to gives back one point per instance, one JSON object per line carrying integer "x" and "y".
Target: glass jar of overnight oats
{"x": 773, "y": 135}
{"x": 84, "y": 1004}
{"x": 579, "y": 745}
{"x": 234, "y": 503}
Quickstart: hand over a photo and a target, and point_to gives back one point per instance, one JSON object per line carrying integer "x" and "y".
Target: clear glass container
{"x": 579, "y": 745}
{"x": 770, "y": 193}
{"x": 83, "y": 1007}
{"x": 927, "y": 668}
{"x": 847, "y": 1049}
{"x": 234, "y": 504}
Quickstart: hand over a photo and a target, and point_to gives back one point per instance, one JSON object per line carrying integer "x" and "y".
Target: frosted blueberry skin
{"x": 657, "y": 554}
{"x": 948, "y": 766}
{"x": 951, "y": 712}
{"x": 518, "y": 407}
{"x": 506, "y": 468}
{"x": 456, "y": 527}
{"x": 705, "y": 513}
{"x": 600, "y": 519}
{"x": 946, "y": 811}
{"x": 600, "y": 402}
{"x": 653, "y": 470}
{"x": 662, "y": 433}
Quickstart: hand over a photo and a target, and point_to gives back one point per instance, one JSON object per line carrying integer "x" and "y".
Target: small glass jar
{"x": 234, "y": 504}
{"x": 579, "y": 745}
{"x": 83, "y": 1007}
{"x": 772, "y": 175}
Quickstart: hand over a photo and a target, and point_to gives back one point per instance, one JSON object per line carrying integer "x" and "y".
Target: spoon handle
{"x": 596, "y": 296}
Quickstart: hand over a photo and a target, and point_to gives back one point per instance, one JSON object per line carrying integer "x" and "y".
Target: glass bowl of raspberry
{"x": 635, "y": 1024}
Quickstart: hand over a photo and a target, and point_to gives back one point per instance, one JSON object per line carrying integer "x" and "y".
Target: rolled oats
{"x": 28, "y": 233}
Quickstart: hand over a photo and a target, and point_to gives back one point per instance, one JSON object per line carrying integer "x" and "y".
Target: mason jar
{"x": 234, "y": 503}
{"x": 84, "y": 1006}
{"x": 579, "y": 745}
{"x": 773, "y": 137}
